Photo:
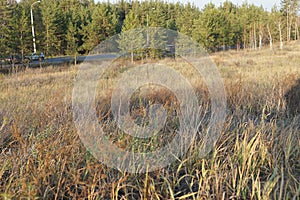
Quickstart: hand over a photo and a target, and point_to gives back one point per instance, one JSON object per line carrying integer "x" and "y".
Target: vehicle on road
{"x": 14, "y": 59}
{"x": 35, "y": 56}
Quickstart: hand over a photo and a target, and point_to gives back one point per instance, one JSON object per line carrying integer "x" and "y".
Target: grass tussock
{"x": 257, "y": 155}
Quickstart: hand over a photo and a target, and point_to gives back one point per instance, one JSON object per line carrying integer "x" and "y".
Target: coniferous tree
{"x": 232, "y": 25}
{"x": 153, "y": 17}
{"x": 171, "y": 16}
{"x": 72, "y": 41}
{"x": 132, "y": 37}
{"x": 186, "y": 18}
{"x": 6, "y": 15}
{"x": 76, "y": 26}
{"x": 207, "y": 27}
{"x": 52, "y": 18}
{"x": 103, "y": 24}
{"x": 21, "y": 31}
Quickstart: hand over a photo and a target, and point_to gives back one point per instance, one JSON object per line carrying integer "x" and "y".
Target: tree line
{"x": 71, "y": 27}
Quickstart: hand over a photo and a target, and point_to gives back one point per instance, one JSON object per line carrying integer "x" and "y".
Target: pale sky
{"x": 268, "y": 4}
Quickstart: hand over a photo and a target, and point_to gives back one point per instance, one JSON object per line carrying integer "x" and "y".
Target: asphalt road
{"x": 68, "y": 59}
{"x": 58, "y": 61}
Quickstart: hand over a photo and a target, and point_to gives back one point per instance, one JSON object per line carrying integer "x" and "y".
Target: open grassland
{"x": 256, "y": 157}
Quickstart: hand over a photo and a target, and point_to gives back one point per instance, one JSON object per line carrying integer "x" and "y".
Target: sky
{"x": 267, "y": 4}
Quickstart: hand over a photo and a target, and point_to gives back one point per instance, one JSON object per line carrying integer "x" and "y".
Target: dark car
{"x": 16, "y": 59}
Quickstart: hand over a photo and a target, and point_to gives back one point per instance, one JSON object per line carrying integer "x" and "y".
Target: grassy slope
{"x": 256, "y": 157}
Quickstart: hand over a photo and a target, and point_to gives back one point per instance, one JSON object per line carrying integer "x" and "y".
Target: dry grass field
{"x": 256, "y": 157}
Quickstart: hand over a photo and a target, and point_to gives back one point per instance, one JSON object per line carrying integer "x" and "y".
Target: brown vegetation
{"x": 256, "y": 157}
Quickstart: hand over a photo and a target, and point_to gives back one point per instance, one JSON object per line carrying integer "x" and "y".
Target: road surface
{"x": 58, "y": 61}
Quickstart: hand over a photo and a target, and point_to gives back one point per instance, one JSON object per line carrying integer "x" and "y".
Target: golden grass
{"x": 256, "y": 157}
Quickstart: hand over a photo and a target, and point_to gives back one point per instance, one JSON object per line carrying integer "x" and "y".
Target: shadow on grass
{"x": 293, "y": 100}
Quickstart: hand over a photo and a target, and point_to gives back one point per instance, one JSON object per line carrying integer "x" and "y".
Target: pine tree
{"x": 72, "y": 41}
{"x": 186, "y": 18}
{"x": 6, "y": 11}
{"x": 122, "y": 8}
{"x": 86, "y": 30}
{"x": 171, "y": 17}
{"x": 75, "y": 15}
{"x": 153, "y": 17}
{"x": 21, "y": 30}
{"x": 103, "y": 24}
{"x": 232, "y": 27}
{"x": 206, "y": 29}
{"x": 54, "y": 26}
{"x": 132, "y": 38}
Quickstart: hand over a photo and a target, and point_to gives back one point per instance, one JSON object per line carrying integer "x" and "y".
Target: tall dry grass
{"x": 256, "y": 157}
